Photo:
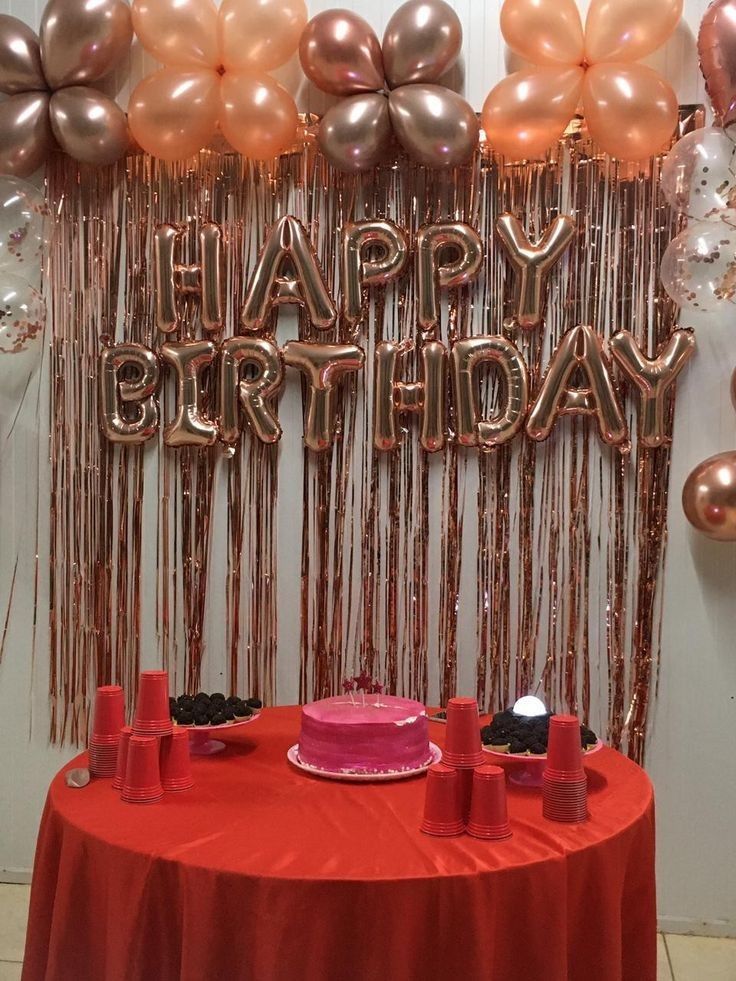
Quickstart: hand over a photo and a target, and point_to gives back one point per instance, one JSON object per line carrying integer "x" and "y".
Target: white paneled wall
{"x": 692, "y": 757}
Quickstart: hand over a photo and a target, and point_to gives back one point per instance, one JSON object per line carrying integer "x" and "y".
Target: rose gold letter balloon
{"x": 391, "y": 397}
{"x": 205, "y": 278}
{"x": 532, "y": 264}
{"x": 341, "y": 54}
{"x": 128, "y": 408}
{"x": 468, "y": 355}
{"x": 358, "y": 271}
{"x": 190, "y": 426}
{"x": 709, "y": 497}
{"x": 322, "y": 365}
{"x": 269, "y": 286}
{"x": 254, "y": 394}
{"x": 544, "y": 32}
{"x": 579, "y": 350}
{"x": 434, "y": 276}
{"x": 717, "y": 50}
{"x": 652, "y": 378}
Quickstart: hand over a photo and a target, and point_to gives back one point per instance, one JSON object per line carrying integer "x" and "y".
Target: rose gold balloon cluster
{"x": 630, "y": 110}
{"x": 48, "y": 83}
{"x": 216, "y": 73}
{"x": 390, "y": 89}
{"x": 709, "y": 494}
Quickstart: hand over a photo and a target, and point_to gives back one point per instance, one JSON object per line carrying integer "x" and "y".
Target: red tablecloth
{"x": 267, "y": 874}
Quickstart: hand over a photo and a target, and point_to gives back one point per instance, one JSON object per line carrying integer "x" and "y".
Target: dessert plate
{"x": 200, "y": 743}
{"x": 292, "y": 756}
{"x": 529, "y": 773}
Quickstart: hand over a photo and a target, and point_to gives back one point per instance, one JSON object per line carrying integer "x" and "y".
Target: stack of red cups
{"x": 142, "y": 783}
{"x": 489, "y": 817}
{"x": 152, "y": 713}
{"x": 463, "y": 749}
{"x": 119, "y": 779}
{"x": 176, "y": 764}
{"x": 443, "y": 814}
{"x": 564, "y": 793}
{"x": 109, "y": 718}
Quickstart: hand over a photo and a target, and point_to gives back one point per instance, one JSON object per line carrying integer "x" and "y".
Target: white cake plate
{"x": 529, "y": 773}
{"x": 292, "y": 756}
{"x": 200, "y": 743}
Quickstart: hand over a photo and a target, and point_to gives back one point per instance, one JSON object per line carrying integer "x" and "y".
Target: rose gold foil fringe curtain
{"x": 546, "y": 558}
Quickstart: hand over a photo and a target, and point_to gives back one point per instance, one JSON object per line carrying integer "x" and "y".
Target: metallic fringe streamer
{"x": 563, "y": 540}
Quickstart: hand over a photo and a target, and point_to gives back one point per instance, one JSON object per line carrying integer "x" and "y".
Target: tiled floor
{"x": 680, "y": 958}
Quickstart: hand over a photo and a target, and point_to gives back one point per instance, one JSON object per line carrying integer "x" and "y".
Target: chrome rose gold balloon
{"x": 354, "y": 134}
{"x": 435, "y": 125}
{"x": 82, "y": 41}
{"x": 20, "y": 57}
{"x": 340, "y": 53}
{"x": 129, "y": 412}
{"x": 173, "y": 113}
{"x": 717, "y": 51}
{"x": 259, "y": 34}
{"x": 258, "y": 117}
{"x": 709, "y": 497}
{"x": 630, "y": 110}
{"x": 88, "y": 125}
{"x": 527, "y": 111}
{"x": 421, "y": 42}
{"x": 544, "y": 32}
{"x": 627, "y": 30}
{"x": 179, "y": 33}
{"x": 25, "y": 133}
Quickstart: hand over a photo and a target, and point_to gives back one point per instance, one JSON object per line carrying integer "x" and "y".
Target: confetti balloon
{"x": 699, "y": 173}
{"x": 22, "y": 319}
{"x": 22, "y": 226}
{"x": 699, "y": 266}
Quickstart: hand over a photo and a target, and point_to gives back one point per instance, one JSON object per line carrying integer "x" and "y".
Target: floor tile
{"x": 663, "y": 963}
{"x": 10, "y": 970}
{"x": 13, "y": 919}
{"x": 701, "y": 958}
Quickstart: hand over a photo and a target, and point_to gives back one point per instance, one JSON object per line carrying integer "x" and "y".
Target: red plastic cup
{"x": 109, "y": 715}
{"x": 462, "y": 739}
{"x": 103, "y": 759}
{"x": 152, "y": 714}
{"x": 488, "y": 813}
{"x": 122, "y": 758}
{"x": 442, "y": 805}
{"x": 465, "y": 777}
{"x": 564, "y": 750}
{"x": 564, "y": 800}
{"x": 176, "y": 765}
{"x": 142, "y": 773}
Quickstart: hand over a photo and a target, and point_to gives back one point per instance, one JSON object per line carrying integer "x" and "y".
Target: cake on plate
{"x": 364, "y": 734}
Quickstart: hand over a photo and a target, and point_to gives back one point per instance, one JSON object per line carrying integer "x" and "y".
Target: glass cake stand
{"x": 528, "y": 770}
{"x": 200, "y": 741}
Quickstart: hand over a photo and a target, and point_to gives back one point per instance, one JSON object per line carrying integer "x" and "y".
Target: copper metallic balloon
{"x": 435, "y": 125}
{"x": 258, "y": 116}
{"x": 88, "y": 126}
{"x": 20, "y": 57}
{"x": 544, "y": 32}
{"x": 25, "y": 133}
{"x": 355, "y": 133}
{"x": 83, "y": 40}
{"x": 340, "y": 53}
{"x": 717, "y": 51}
{"x": 173, "y": 113}
{"x": 627, "y": 30}
{"x": 709, "y": 497}
{"x": 421, "y": 42}
{"x": 630, "y": 110}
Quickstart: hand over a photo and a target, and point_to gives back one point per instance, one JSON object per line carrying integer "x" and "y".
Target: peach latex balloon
{"x": 260, "y": 34}
{"x": 527, "y": 111}
{"x": 627, "y": 30}
{"x": 544, "y": 32}
{"x": 180, "y": 33}
{"x": 630, "y": 110}
{"x": 258, "y": 118}
{"x": 173, "y": 113}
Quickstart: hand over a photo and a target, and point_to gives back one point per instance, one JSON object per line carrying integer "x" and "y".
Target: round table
{"x": 265, "y": 873}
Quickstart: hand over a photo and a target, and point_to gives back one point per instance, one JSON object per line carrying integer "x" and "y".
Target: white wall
{"x": 691, "y": 754}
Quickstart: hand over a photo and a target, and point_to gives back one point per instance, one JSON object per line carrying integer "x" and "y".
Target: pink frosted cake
{"x": 372, "y": 734}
